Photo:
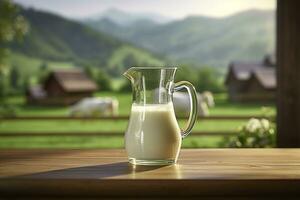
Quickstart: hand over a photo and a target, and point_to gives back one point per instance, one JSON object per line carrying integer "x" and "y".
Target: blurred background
{"x": 56, "y": 56}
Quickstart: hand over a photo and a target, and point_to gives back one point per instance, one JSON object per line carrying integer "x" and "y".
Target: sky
{"x": 171, "y": 8}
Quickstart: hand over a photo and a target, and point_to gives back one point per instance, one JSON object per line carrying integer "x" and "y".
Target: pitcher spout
{"x": 130, "y": 73}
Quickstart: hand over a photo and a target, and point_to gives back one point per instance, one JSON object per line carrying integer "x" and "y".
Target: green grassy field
{"x": 222, "y": 108}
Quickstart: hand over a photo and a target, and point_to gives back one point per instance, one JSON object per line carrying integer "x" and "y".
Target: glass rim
{"x": 152, "y": 68}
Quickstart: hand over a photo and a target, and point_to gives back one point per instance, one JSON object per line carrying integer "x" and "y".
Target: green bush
{"x": 209, "y": 80}
{"x": 187, "y": 73}
{"x": 126, "y": 87}
{"x": 14, "y": 77}
{"x": 103, "y": 81}
{"x": 101, "y": 78}
{"x": 13, "y": 27}
{"x": 44, "y": 72}
{"x": 7, "y": 110}
{"x": 204, "y": 78}
{"x": 255, "y": 134}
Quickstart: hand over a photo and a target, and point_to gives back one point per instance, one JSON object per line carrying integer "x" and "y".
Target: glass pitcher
{"x": 153, "y": 136}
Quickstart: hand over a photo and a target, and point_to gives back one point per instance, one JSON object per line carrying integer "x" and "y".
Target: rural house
{"x": 62, "y": 87}
{"x": 252, "y": 82}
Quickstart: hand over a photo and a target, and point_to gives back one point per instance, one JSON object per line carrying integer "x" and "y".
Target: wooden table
{"x": 106, "y": 173}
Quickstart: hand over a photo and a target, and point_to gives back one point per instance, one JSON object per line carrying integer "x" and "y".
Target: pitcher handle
{"x": 193, "y": 105}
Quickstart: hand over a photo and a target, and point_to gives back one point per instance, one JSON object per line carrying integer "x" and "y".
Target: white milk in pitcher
{"x": 153, "y": 133}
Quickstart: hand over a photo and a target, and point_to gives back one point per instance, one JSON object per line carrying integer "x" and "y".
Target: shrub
{"x": 187, "y": 73}
{"x": 126, "y": 87}
{"x": 204, "y": 79}
{"x": 7, "y": 110}
{"x": 14, "y": 77}
{"x": 255, "y": 134}
{"x": 44, "y": 72}
{"x": 101, "y": 78}
{"x": 103, "y": 81}
{"x": 209, "y": 79}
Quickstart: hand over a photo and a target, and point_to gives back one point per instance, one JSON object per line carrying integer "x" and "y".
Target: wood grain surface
{"x": 202, "y": 172}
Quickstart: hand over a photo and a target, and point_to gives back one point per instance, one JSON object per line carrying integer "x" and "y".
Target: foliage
{"x": 6, "y": 109}
{"x": 101, "y": 78}
{"x": 3, "y": 86}
{"x": 187, "y": 73}
{"x": 204, "y": 79}
{"x": 12, "y": 26}
{"x": 14, "y": 78}
{"x": 255, "y": 134}
{"x": 103, "y": 81}
{"x": 88, "y": 70}
{"x": 126, "y": 87}
{"x": 26, "y": 84}
{"x": 208, "y": 79}
{"x": 43, "y": 72}
{"x": 44, "y": 66}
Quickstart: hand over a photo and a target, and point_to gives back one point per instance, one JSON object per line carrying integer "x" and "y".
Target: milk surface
{"x": 153, "y": 133}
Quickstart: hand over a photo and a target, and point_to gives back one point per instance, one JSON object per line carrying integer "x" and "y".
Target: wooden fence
{"x": 115, "y": 133}
{"x": 126, "y": 117}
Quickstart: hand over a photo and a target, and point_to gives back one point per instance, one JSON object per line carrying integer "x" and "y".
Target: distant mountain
{"x": 247, "y": 35}
{"x": 54, "y": 38}
{"x": 126, "y": 33}
{"x": 123, "y": 18}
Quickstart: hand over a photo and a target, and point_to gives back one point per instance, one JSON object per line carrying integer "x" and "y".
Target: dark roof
{"x": 242, "y": 70}
{"x": 266, "y": 77}
{"x": 74, "y": 80}
{"x": 264, "y": 71}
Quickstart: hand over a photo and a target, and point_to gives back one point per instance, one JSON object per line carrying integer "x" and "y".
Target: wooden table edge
{"x": 147, "y": 187}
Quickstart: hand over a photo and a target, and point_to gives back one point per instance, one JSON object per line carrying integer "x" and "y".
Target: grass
{"x": 97, "y": 126}
{"x": 222, "y": 108}
{"x": 92, "y": 142}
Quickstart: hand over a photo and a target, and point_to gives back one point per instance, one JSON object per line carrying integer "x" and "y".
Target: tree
{"x": 208, "y": 79}
{"x": 89, "y": 72}
{"x": 44, "y": 66}
{"x": 43, "y": 71}
{"x": 126, "y": 87}
{"x": 3, "y": 88}
{"x": 14, "y": 78}
{"x": 103, "y": 81}
{"x": 26, "y": 84}
{"x": 187, "y": 73}
{"x": 12, "y": 26}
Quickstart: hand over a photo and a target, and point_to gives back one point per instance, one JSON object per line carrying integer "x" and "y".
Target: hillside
{"x": 247, "y": 35}
{"x": 53, "y": 38}
{"x": 124, "y": 18}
